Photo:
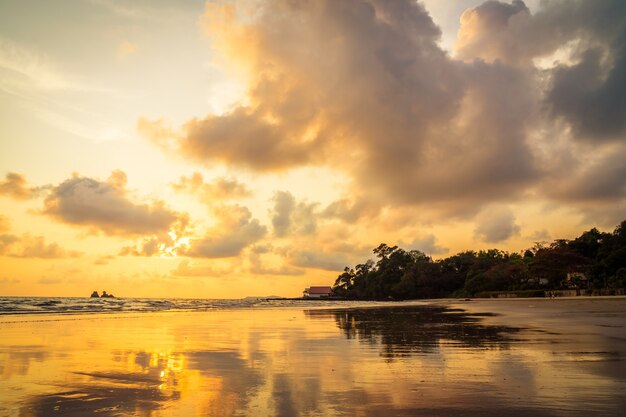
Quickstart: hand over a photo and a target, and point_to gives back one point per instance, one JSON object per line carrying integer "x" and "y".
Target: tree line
{"x": 594, "y": 260}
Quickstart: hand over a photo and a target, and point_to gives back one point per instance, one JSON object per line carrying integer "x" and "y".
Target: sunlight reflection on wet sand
{"x": 546, "y": 360}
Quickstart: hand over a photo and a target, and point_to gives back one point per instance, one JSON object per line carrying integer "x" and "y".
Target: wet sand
{"x": 527, "y": 357}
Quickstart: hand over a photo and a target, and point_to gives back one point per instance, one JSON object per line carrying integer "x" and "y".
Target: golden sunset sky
{"x": 221, "y": 149}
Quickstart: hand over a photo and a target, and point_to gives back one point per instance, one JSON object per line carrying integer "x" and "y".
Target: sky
{"x": 224, "y": 149}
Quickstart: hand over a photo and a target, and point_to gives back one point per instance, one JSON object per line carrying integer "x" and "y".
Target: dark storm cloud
{"x": 590, "y": 92}
{"x": 604, "y": 180}
{"x": 107, "y": 207}
{"x": 593, "y": 101}
{"x": 591, "y": 95}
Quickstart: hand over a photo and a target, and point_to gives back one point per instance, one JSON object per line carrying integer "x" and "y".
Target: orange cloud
{"x": 489, "y": 32}
{"x": 236, "y": 230}
{"x": 4, "y": 223}
{"x": 496, "y": 224}
{"x": 363, "y": 86}
{"x": 373, "y": 95}
{"x": 16, "y": 186}
{"x": 290, "y": 217}
{"x": 107, "y": 207}
{"x": 188, "y": 269}
{"x": 221, "y": 188}
{"x": 27, "y": 246}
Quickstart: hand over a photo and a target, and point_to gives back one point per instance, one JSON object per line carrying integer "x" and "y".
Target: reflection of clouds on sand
{"x": 393, "y": 361}
{"x": 283, "y": 396}
{"x": 109, "y": 393}
{"x": 17, "y": 359}
{"x": 101, "y": 400}
{"x": 236, "y": 380}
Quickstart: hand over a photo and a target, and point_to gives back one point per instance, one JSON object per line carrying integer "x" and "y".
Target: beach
{"x": 539, "y": 357}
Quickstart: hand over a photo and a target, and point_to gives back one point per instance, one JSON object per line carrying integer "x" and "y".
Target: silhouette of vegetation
{"x": 594, "y": 261}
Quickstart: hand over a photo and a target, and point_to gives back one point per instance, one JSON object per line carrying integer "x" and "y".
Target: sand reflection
{"x": 405, "y": 330}
{"x": 401, "y": 361}
{"x": 103, "y": 400}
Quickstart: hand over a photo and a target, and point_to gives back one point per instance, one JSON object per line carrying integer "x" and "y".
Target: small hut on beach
{"x": 317, "y": 292}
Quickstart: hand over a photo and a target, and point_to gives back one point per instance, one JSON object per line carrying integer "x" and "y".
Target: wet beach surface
{"x": 454, "y": 358}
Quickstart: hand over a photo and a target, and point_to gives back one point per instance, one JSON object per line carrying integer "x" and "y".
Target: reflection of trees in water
{"x": 422, "y": 329}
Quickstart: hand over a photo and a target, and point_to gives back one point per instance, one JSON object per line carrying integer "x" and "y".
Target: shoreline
{"x": 311, "y": 303}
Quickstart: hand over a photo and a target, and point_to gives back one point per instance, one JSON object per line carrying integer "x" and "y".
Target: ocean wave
{"x": 75, "y": 305}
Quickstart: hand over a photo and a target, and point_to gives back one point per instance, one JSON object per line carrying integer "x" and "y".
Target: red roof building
{"x": 317, "y": 292}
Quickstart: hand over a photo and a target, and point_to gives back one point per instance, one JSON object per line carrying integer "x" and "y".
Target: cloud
{"x": 5, "y": 223}
{"x": 25, "y": 69}
{"x": 591, "y": 99}
{"x": 221, "y": 188}
{"x": 149, "y": 247}
{"x": 6, "y": 240}
{"x": 387, "y": 105}
{"x": 106, "y": 206}
{"x": 16, "y": 186}
{"x": 603, "y": 215}
{"x": 496, "y": 224}
{"x": 317, "y": 259}
{"x": 236, "y": 229}
{"x": 427, "y": 244}
{"x": 490, "y": 32}
{"x": 590, "y": 94}
{"x": 291, "y": 217}
{"x": 349, "y": 209}
{"x": 259, "y": 267}
{"x": 36, "y": 247}
{"x": 104, "y": 260}
{"x": 587, "y": 87}
{"x": 188, "y": 269}
{"x": 49, "y": 281}
{"x": 284, "y": 204}
{"x": 539, "y": 235}
{"x": 363, "y": 87}
{"x": 601, "y": 179}
{"x": 28, "y": 246}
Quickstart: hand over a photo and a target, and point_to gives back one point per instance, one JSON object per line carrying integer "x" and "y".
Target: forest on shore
{"x": 593, "y": 261}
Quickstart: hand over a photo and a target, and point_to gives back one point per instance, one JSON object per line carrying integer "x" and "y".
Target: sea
{"x": 84, "y": 305}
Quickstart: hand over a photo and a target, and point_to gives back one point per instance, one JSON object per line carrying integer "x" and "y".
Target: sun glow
{"x": 168, "y": 251}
